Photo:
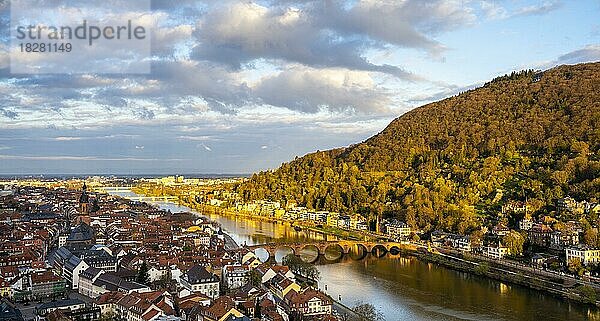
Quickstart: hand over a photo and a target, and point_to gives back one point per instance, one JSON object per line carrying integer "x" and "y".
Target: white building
{"x": 496, "y": 252}
{"x": 198, "y": 279}
{"x": 235, "y": 276}
{"x": 398, "y": 229}
{"x": 584, "y": 253}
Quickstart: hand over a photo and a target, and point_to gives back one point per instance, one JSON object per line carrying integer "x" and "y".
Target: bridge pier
{"x": 345, "y": 247}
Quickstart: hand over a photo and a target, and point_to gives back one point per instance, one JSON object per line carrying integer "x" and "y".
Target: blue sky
{"x": 239, "y": 86}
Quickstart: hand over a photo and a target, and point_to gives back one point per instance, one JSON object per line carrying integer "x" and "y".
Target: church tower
{"x": 84, "y": 201}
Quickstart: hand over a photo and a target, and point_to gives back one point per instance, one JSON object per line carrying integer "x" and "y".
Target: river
{"x": 404, "y": 288}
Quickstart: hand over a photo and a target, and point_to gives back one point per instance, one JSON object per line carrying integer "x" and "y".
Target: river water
{"x": 404, "y": 288}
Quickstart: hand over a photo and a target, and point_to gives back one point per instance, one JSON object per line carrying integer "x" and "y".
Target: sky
{"x": 242, "y": 86}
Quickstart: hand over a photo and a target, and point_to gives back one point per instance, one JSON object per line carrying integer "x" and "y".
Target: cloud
{"x": 311, "y": 90}
{"x": 589, "y": 53}
{"x": 86, "y": 158}
{"x": 407, "y": 24}
{"x": 196, "y": 138}
{"x": 144, "y": 113}
{"x": 538, "y": 9}
{"x": 8, "y": 113}
{"x": 67, "y": 138}
{"x": 324, "y": 35}
{"x": 495, "y": 11}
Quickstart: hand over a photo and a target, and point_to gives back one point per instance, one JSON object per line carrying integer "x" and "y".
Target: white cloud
{"x": 87, "y": 158}
{"x": 311, "y": 90}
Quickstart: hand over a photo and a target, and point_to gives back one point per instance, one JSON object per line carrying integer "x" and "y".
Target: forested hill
{"x": 525, "y": 136}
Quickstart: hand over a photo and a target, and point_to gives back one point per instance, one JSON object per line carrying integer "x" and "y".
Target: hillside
{"x": 527, "y": 136}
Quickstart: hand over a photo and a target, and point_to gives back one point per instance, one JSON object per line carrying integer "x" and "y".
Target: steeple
{"x": 84, "y": 200}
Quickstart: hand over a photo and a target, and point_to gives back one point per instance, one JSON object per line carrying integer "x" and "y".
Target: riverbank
{"x": 555, "y": 286}
{"x": 407, "y": 288}
{"x": 331, "y": 231}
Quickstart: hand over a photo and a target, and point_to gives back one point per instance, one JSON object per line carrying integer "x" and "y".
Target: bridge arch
{"x": 281, "y": 251}
{"x": 358, "y": 251}
{"x": 378, "y": 250}
{"x": 263, "y": 254}
{"x": 394, "y": 249}
{"x": 330, "y": 250}
{"x": 309, "y": 252}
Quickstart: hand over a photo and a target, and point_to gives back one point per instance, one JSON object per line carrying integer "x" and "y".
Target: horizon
{"x": 242, "y": 87}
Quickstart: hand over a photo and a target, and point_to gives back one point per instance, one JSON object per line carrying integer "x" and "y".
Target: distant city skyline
{"x": 238, "y": 87}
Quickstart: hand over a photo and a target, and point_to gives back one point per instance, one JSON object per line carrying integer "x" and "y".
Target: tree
{"x": 297, "y": 265}
{"x": 109, "y": 316}
{"x": 367, "y": 312}
{"x": 143, "y": 276}
{"x": 575, "y": 266}
{"x": 165, "y": 279}
{"x": 514, "y": 241}
{"x": 439, "y": 167}
{"x": 482, "y": 268}
{"x": 255, "y": 278}
{"x": 587, "y": 293}
{"x": 591, "y": 237}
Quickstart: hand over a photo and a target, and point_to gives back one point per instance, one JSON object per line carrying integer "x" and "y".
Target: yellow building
{"x": 5, "y": 290}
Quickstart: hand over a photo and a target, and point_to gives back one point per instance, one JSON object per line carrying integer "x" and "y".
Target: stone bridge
{"x": 343, "y": 247}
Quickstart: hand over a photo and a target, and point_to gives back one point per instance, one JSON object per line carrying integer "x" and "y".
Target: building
{"x": 9, "y": 312}
{"x": 86, "y": 281}
{"x": 100, "y": 259}
{"x": 198, "y": 279}
{"x": 525, "y": 224}
{"x": 84, "y": 201}
{"x": 495, "y": 252}
{"x": 85, "y": 313}
{"x": 562, "y": 239}
{"x": 540, "y": 235}
{"x": 224, "y": 308}
{"x": 569, "y": 204}
{"x": 460, "y": 242}
{"x": 585, "y": 254}
{"x": 500, "y": 230}
{"x": 107, "y": 282}
{"x": 309, "y": 302}
{"x": 397, "y": 229}
{"x": 235, "y": 276}
{"x": 69, "y": 304}
{"x": 82, "y": 236}
{"x": 47, "y": 285}
{"x": 5, "y": 289}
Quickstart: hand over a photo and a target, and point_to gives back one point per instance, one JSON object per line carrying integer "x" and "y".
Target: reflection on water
{"x": 406, "y": 288}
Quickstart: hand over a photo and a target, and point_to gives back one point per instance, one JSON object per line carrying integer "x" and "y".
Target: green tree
{"x": 255, "y": 278}
{"x": 587, "y": 293}
{"x": 165, "y": 279}
{"x": 143, "y": 276}
{"x": 482, "y": 268}
{"x": 297, "y": 265}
